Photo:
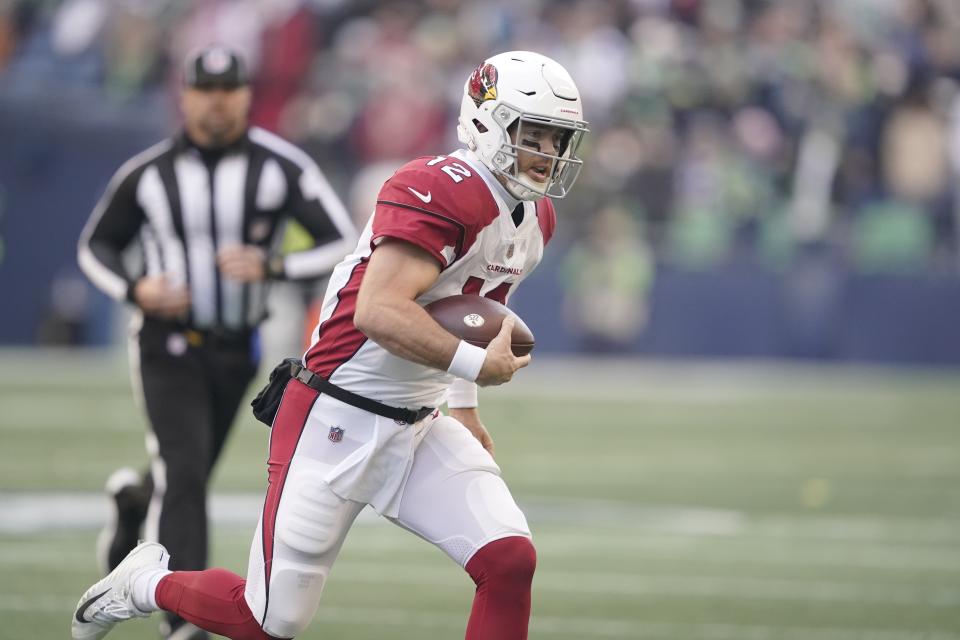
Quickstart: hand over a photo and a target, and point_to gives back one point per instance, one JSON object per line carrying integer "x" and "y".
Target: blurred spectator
{"x": 738, "y": 129}
{"x": 14, "y": 20}
{"x": 286, "y": 52}
{"x": 606, "y": 276}
{"x": 914, "y": 151}
{"x": 134, "y": 57}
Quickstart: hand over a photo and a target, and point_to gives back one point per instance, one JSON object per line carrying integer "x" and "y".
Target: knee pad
{"x": 310, "y": 525}
{"x": 310, "y": 517}
{"x": 485, "y": 511}
{"x": 295, "y": 592}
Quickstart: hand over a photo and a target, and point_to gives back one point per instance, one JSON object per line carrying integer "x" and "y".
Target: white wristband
{"x": 462, "y": 395}
{"x": 467, "y": 361}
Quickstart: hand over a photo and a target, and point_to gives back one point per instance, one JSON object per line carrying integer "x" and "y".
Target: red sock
{"x": 503, "y": 572}
{"x": 212, "y": 600}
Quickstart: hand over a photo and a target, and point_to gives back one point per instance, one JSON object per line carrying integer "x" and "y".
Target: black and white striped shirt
{"x": 184, "y": 204}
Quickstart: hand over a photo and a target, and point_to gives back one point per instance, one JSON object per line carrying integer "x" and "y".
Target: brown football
{"x": 477, "y": 320}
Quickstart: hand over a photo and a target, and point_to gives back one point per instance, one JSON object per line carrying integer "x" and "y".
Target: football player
{"x": 358, "y": 424}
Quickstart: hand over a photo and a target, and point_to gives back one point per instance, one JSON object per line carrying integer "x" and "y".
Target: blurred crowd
{"x": 721, "y": 131}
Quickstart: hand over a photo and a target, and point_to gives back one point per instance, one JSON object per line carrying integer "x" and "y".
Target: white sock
{"x": 143, "y": 591}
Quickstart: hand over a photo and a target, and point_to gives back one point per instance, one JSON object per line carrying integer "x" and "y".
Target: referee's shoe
{"x": 129, "y": 499}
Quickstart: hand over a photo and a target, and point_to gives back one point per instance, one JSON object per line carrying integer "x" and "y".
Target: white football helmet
{"x": 530, "y": 91}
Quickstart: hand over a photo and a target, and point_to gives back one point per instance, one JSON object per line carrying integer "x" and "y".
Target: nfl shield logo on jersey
{"x": 336, "y": 434}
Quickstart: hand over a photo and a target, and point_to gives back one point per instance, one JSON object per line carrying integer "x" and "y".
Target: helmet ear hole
{"x": 479, "y": 126}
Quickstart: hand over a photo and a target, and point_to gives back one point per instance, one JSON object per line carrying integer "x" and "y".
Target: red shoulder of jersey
{"x": 437, "y": 203}
{"x": 547, "y": 217}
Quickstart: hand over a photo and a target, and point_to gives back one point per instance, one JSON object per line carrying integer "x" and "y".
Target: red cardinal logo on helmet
{"x": 482, "y": 85}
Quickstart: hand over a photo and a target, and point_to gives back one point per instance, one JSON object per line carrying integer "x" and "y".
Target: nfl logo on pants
{"x": 336, "y": 434}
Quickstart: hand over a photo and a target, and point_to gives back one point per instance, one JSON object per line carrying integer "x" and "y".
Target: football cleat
{"x": 110, "y": 601}
{"x": 128, "y": 509}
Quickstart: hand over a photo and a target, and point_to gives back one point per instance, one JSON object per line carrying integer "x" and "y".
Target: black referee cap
{"x": 215, "y": 66}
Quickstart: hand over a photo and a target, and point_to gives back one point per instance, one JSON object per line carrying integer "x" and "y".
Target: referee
{"x": 205, "y": 207}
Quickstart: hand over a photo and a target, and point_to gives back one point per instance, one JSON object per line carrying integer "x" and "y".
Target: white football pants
{"x": 327, "y": 461}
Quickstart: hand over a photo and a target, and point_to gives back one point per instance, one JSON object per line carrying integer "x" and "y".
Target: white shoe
{"x": 109, "y": 601}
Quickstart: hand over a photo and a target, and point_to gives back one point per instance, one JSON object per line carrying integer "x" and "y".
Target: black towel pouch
{"x": 267, "y": 402}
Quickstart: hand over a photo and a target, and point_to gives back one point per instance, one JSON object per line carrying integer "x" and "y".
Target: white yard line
{"x": 26, "y": 512}
{"x": 641, "y": 550}
{"x": 711, "y": 537}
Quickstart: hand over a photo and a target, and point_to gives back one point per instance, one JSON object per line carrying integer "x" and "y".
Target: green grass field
{"x": 668, "y": 501}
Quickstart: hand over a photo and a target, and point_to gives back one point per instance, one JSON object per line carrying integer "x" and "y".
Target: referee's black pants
{"x": 193, "y": 383}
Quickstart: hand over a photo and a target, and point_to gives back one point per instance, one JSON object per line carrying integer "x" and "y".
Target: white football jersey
{"x": 454, "y": 208}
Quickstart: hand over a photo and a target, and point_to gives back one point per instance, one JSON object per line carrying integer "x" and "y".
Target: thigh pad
{"x": 311, "y": 518}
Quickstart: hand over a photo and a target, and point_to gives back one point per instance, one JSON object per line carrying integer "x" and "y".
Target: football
{"x": 477, "y": 320}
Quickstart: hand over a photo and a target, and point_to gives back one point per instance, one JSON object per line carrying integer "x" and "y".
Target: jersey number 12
{"x": 455, "y": 170}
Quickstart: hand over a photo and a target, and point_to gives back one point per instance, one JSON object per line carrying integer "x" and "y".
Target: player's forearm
{"x": 404, "y": 329}
{"x": 465, "y": 415}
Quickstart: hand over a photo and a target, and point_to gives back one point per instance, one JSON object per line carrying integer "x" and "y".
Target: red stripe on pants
{"x": 288, "y": 426}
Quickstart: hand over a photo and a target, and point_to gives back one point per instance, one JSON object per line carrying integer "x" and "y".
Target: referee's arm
{"x": 112, "y": 226}
{"x": 313, "y": 203}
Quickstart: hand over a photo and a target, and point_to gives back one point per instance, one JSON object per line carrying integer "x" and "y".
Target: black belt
{"x": 323, "y": 385}
{"x": 218, "y": 337}
{"x": 199, "y": 337}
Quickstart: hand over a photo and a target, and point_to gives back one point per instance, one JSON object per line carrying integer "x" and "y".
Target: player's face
{"x": 216, "y": 116}
{"x": 544, "y": 139}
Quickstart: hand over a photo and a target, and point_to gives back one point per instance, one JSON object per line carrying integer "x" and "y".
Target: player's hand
{"x": 500, "y": 363}
{"x": 158, "y": 297}
{"x": 470, "y": 418}
{"x": 242, "y": 262}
